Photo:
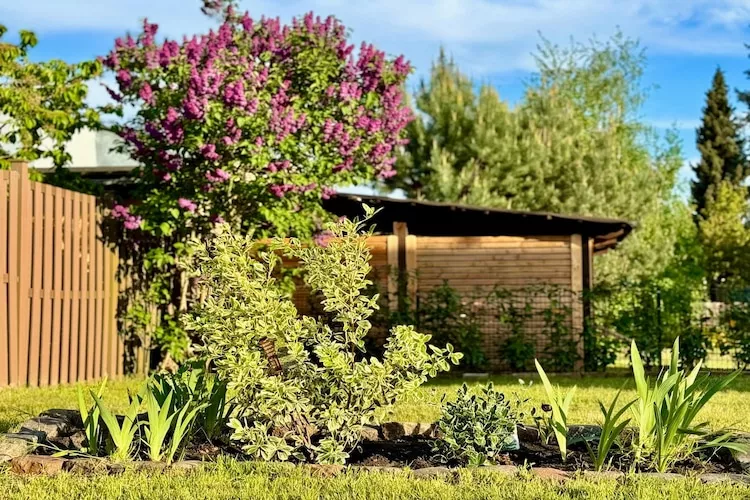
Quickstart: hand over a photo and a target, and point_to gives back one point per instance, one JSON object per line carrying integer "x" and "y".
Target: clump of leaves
{"x": 666, "y": 411}
{"x": 304, "y": 375}
{"x": 476, "y": 428}
{"x": 90, "y": 419}
{"x": 612, "y": 428}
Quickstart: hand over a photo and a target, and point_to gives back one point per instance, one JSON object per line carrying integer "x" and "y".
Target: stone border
{"x": 63, "y": 427}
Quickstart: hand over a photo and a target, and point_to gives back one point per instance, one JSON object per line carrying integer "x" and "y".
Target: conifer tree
{"x": 720, "y": 146}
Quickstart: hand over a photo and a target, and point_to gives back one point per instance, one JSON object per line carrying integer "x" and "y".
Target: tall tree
{"x": 574, "y": 144}
{"x": 720, "y": 146}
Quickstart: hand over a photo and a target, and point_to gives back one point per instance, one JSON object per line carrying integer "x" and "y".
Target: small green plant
{"x": 121, "y": 437}
{"x": 90, "y": 419}
{"x": 561, "y": 347}
{"x": 476, "y": 428}
{"x": 612, "y": 428}
{"x": 158, "y": 425}
{"x": 516, "y": 350}
{"x": 557, "y": 418}
{"x": 181, "y": 429}
{"x": 190, "y": 385}
{"x": 666, "y": 412}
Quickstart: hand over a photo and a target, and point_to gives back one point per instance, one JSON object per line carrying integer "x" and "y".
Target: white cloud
{"x": 485, "y": 36}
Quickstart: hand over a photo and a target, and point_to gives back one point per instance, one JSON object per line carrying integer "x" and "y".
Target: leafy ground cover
{"x": 230, "y": 479}
{"x": 729, "y": 408}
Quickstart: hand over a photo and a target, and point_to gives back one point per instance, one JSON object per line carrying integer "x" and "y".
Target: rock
{"x": 664, "y": 476}
{"x": 116, "y": 468}
{"x": 476, "y": 376}
{"x": 721, "y": 478}
{"x": 37, "y": 464}
{"x": 507, "y": 470}
{"x": 323, "y": 470}
{"x": 17, "y": 445}
{"x": 383, "y": 469}
{"x": 72, "y": 417}
{"x": 187, "y": 465}
{"x": 527, "y": 434}
{"x": 52, "y": 427}
{"x": 431, "y": 472}
{"x": 369, "y": 433}
{"x": 85, "y": 465}
{"x": 393, "y": 430}
{"x": 151, "y": 467}
{"x": 606, "y": 474}
{"x": 428, "y": 430}
{"x": 579, "y": 433}
{"x": 550, "y": 474}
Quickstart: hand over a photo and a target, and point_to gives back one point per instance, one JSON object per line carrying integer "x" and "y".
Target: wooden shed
{"x": 475, "y": 249}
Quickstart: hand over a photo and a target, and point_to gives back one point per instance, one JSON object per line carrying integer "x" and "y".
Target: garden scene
{"x": 272, "y": 262}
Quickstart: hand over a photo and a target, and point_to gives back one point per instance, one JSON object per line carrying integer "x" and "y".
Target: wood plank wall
{"x": 58, "y": 286}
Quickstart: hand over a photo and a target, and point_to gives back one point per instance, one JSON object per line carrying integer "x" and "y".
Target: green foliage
{"x": 90, "y": 419}
{"x": 736, "y": 338}
{"x": 448, "y": 317}
{"x": 665, "y": 412}
{"x": 476, "y": 428}
{"x": 724, "y": 236}
{"x": 612, "y": 428}
{"x": 721, "y": 146}
{"x": 158, "y": 425}
{"x": 513, "y": 314}
{"x": 42, "y": 103}
{"x": 575, "y": 143}
{"x": 561, "y": 345}
{"x": 121, "y": 435}
{"x": 193, "y": 386}
{"x": 305, "y": 376}
{"x": 557, "y": 420}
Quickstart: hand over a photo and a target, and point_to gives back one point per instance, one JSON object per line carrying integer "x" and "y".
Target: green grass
{"x": 231, "y": 479}
{"x": 728, "y": 409}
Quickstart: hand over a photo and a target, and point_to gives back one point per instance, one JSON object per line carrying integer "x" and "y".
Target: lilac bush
{"x": 252, "y": 123}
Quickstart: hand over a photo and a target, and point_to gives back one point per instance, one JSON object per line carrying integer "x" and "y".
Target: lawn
{"x": 230, "y": 479}
{"x": 729, "y": 408}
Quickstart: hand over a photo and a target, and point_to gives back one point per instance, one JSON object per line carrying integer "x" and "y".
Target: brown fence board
{"x": 14, "y": 219}
{"x": 90, "y": 287}
{"x": 48, "y": 287}
{"x": 98, "y": 292}
{"x": 57, "y": 298}
{"x": 4, "y": 280}
{"x": 24, "y": 273}
{"x": 35, "y": 294}
{"x": 77, "y": 343}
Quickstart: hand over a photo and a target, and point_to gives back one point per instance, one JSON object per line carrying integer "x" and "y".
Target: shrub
{"x": 302, "y": 375}
{"x": 516, "y": 350}
{"x": 476, "y": 428}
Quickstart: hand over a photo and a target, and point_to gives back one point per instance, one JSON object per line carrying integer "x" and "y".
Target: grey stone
{"x": 52, "y": 427}
{"x": 508, "y": 470}
{"x": 187, "y": 465}
{"x": 325, "y": 470}
{"x": 72, "y": 417}
{"x": 17, "y": 445}
{"x": 395, "y": 430}
{"x": 149, "y": 466}
{"x": 606, "y": 474}
{"x": 369, "y": 433}
{"x": 720, "y": 478}
{"x": 116, "y": 468}
{"x": 383, "y": 469}
{"x": 664, "y": 476}
{"x": 431, "y": 472}
{"x": 85, "y": 465}
{"x": 527, "y": 434}
{"x": 392, "y": 430}
{"x": 578, "y": 433}
{"x": 476, "y": 376}
{"x": 37, "y": 464}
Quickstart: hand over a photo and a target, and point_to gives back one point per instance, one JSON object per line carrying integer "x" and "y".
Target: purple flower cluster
{"x": 209, "y": 152}
{"x": 129, "y": 221}
{"x": 186, "y": 204}
{"x": 217, "y": 175}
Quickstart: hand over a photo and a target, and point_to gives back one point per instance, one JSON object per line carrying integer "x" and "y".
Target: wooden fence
{"x": 58, "y": 286}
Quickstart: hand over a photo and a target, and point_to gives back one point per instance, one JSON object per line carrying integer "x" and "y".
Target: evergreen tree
{"x": 574, "y": 144}
{"x": 720, "y": 146}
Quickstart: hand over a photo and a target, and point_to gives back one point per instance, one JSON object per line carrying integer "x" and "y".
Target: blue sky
{"x": 492, "y": 40}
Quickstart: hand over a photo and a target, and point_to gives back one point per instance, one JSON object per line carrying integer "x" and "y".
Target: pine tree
{"x": 720, "y": 145}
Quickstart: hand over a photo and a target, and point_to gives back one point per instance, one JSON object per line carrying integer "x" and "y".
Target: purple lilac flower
{"x": 327, "y": 193}
{"x": 132, "y": 222}
{"x": 323, "y": 238}
{"x": 186, "y": 204}
{"x": 209, "y": 152}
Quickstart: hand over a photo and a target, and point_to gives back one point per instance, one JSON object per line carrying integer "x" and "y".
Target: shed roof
{"x": 429, "y": 218}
